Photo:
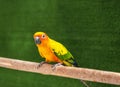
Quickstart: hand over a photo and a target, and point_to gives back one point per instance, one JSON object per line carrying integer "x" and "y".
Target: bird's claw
{"x": 40, "y": 64}
{"x": 55, "y": 65}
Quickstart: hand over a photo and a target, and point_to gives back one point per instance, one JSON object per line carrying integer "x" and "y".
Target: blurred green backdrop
{"x": 90, "y": 29}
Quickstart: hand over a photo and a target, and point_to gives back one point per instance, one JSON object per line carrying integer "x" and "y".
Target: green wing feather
{"x": 62, "y": 53}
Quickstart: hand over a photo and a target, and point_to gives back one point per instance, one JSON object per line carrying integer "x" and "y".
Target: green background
{"x": 90, "y": 29}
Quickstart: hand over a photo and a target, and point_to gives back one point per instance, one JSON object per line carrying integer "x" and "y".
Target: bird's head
{"x": 40, "y": 38}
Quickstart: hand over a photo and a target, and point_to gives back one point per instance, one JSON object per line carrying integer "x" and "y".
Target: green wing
{"x": 62, "y": 53}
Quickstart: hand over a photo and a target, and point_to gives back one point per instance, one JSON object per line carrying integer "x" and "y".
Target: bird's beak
{"x": 37, "y": 40}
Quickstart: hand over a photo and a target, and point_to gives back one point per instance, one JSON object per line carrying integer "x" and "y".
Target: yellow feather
{"x": 58, "y": 47}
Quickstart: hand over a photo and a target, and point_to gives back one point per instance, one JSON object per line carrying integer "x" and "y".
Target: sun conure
{"x": 52, "y": 50}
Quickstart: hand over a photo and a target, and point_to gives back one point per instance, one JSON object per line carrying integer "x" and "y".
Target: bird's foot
{"x": 41, "y": 63}
{"x": 55, "y": 65}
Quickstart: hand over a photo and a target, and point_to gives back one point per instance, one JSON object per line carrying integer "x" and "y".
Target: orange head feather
{"x": 41, "y": 38}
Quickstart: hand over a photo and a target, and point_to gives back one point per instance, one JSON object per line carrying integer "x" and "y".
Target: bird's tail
{"x": 70, "y": 62}
{"x": 75, "y": 63}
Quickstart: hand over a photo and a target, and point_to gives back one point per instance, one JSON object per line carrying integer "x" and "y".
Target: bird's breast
{"x": 48, "y": 54}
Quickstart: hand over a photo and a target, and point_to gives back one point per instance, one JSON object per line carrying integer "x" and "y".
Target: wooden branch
{"x": 71, "y": 72}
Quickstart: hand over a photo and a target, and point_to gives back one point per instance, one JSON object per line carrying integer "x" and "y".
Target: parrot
{"x": 52, "y": 50}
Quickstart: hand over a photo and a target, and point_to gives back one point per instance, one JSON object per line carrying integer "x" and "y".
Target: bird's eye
{"x": 43, "y": 36}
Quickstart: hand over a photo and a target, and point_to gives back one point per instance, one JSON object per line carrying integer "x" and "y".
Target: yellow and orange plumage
{"x": 52, "y": 50}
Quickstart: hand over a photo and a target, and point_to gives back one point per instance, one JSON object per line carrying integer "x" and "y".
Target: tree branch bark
{"x": 70, "y": 72}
